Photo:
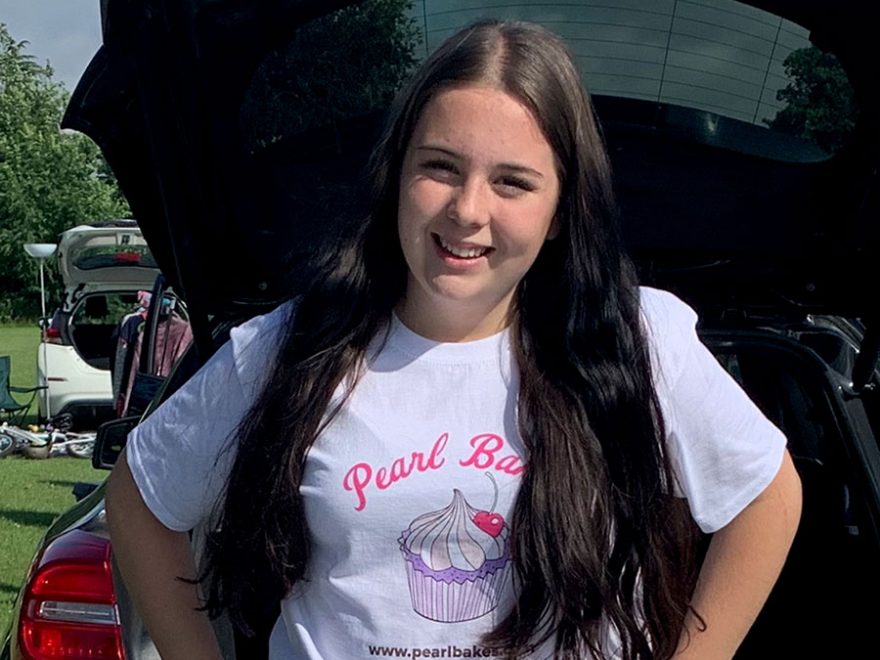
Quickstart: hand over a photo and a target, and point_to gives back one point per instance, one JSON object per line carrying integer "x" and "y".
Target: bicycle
{"x": 53, "y": 439}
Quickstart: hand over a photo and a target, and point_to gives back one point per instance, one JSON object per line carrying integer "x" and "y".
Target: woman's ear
{"x": 554, "y": 229}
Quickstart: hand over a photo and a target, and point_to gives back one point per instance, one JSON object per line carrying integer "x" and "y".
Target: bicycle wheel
{"x": 81, "y": 449}
{"x": 7, "y": 444}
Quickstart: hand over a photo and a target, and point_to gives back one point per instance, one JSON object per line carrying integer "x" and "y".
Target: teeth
{"x": 464, "y": 253}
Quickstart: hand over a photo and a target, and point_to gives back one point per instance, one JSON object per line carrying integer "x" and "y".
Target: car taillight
{"x": 53, "y": 335}
{"x": 69, "y": 608}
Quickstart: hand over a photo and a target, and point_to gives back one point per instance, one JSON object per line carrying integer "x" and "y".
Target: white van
{"x": 103, "y": 266}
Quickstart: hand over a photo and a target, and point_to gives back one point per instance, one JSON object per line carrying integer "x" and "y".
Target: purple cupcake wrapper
{"x": 452, "y": 574}
{"x": 450, "y": 602}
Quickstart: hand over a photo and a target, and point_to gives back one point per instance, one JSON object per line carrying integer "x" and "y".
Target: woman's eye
{"x": 516, "y": 183}
{"x": 440, "y": 166}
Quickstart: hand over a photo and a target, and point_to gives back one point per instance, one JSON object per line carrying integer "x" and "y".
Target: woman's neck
{"x": 452, "y": 323}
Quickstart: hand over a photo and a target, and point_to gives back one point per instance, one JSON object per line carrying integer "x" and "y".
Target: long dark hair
{"x": 598, "y": 539}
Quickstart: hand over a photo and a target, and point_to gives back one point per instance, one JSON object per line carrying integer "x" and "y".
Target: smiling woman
{"x": 486, "y": 301}
{"x": 240, "y": 130}
{"x": 478, "y": 196}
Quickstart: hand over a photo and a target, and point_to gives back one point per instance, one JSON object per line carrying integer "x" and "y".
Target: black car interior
{"x": 93, "y": 323}
{"x": 818, "y": 607}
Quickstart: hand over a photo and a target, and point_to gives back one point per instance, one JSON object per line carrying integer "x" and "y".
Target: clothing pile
{"x": 132, "y": 380}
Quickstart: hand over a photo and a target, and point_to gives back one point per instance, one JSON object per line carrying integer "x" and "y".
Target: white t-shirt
{"x": 408, "y": 491}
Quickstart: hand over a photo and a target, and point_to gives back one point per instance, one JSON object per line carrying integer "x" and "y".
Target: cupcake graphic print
{"x": 457, "y": 561}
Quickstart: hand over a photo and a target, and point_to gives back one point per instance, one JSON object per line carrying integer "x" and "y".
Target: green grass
{"x": 21, "y": 342}
{"x": 32, "y": 494}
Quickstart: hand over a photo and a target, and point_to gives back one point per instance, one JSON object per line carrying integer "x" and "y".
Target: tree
{"x": 50, "y": 180}
{"x": 342, "y": 65}
{"x": 820, "y": 106}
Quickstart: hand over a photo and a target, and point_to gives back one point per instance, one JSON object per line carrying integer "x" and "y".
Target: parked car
{"x": 239, "y": 168}
{"x": 103, "y": 266}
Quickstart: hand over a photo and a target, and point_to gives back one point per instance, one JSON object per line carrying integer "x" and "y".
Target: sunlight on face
{"x": 478, "y": 195}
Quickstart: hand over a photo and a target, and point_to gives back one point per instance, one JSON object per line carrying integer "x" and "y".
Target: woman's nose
{"x": 469, "y": 205}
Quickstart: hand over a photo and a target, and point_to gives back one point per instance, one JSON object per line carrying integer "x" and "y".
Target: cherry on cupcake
{"x": 490, "y": 521}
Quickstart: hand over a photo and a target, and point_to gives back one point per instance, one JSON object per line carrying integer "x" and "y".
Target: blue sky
{"x": 67, "y": 33}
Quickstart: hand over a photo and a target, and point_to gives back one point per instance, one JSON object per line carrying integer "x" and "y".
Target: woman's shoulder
{"x": 254, "y": 344}
{"x": 670, "y": 329}
{"x": 663, "y": 310}
{"x": 264, "y": 327}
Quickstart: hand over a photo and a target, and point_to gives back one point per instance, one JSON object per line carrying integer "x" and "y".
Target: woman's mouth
{"x": 461, "y": 252}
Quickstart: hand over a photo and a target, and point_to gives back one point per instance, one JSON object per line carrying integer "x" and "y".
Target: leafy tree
{"x": 342, "y": 65}
{"x": 820, "y": 106}
{"x": 50, "y": 180}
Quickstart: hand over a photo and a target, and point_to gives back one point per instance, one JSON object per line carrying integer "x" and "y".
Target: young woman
{"x": 479, "y": 437}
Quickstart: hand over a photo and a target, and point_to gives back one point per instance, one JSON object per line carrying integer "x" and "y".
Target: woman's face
{"x": 478, "y": 195}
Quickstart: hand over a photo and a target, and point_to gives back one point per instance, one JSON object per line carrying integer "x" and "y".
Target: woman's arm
{"x": 151, "y": 558}
{"x": 743, "y": 562}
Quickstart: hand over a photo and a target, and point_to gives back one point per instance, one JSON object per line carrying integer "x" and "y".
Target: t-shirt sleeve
{"x": 181, "y": 455}
{"x": 724, "y": 451}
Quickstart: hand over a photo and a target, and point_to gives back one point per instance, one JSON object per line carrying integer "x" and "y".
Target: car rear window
{"x": 718, "y": 56}
{"x": 94, "y": 257}
{"x": 726, "y": 63}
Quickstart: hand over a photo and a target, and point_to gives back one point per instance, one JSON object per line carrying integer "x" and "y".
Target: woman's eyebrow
{"x": 431, "y": 147}
{"x": 508, "y": 167}
{"x": 523, "y": 169}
